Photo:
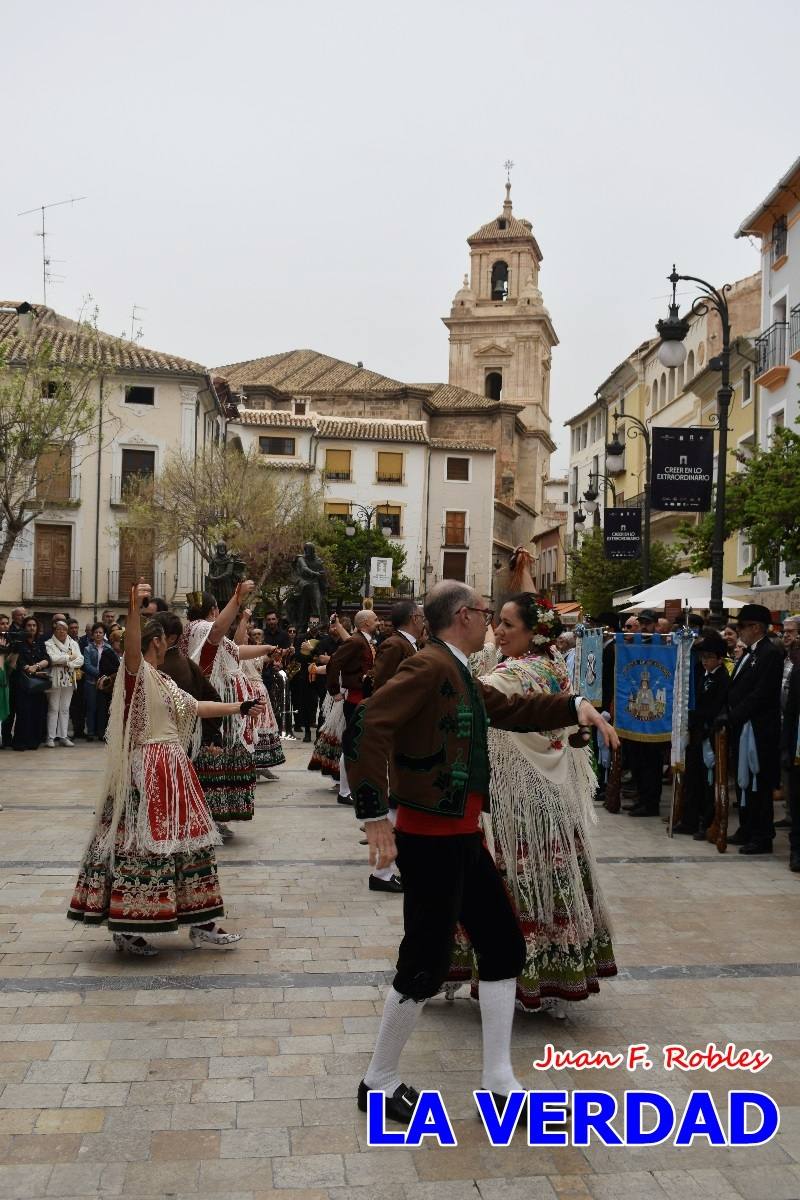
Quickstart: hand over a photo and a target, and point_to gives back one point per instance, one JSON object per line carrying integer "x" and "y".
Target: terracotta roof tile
{"x": 306, "y": 371}
{"x": 447, "y": 396}
{"x": 274, "y": 418}
{"x": 74, "y": 344}
{"x": 284, "y": 464}
{"x": 351, "y": 428}
{"x": 492, "y": 231}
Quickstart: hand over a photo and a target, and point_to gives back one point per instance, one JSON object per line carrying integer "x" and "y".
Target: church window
{"x": 493, "y": 386}
{"x": 500, "y": 280}
{"x": 276, "y": 445}
{"x": 337, "y": 465}
{"x": 690, "y": 366}
{"x": 655, "y": 395}
{"x": 457, "y": 469}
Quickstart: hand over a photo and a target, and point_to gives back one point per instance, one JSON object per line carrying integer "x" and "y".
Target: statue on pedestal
{"x": 225, "y": 571}
{"x": 311, "y": 585}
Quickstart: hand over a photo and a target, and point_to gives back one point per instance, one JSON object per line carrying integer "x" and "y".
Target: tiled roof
{"x": 306, "y": 371}
{"x": 284, "y": 464}
{"x": 352, "y": 428}
{"x": 455, "y": 444}
{"x": 72, "y": 344}
{"x": 273, "y": 417}
{"x": 446, "y": 397}
{"x": 373, "y": 431}
{"x": 492, "y": 232}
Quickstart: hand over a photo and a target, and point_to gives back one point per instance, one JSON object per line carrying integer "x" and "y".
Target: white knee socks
{"x": 397, "y": 1025}
{"x": 497, "y": 1017}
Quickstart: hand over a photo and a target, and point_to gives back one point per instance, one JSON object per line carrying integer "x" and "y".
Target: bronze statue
{"x": 225, "y": 571}
{"x": 310, "y": 587}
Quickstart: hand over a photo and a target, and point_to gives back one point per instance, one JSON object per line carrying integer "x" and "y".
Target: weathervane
{"x": 508, "y": 166}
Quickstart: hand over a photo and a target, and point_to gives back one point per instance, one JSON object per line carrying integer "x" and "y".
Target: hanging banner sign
{"x": 380, "y": 572}
{"x": 683, "y": 468}
{"x": 644, "y": 684}
{"x": 622, "y": 533}
{"x": 587, "y": 677}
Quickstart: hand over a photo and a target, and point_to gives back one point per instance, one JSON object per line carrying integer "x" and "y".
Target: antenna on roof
{"x": 43, "y": 235}
{"x": 136, "y": 309}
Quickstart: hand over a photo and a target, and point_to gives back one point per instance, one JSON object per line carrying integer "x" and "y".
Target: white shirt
{"x": 459, "y": 654}
{"x": 410, "y": 637}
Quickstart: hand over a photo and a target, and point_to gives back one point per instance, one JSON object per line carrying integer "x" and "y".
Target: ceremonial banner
{"x": 683, "y": 466}
{"x": 380, "y": 572}
{"x": 588, "y": 671}
{"x": 644, "y": 679}
{"x": 622, "y": 533}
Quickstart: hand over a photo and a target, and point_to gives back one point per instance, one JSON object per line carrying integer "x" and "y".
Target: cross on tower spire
{"x": 509, "y": 166}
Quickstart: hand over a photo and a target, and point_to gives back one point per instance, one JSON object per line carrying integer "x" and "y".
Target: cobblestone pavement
{"x": 232, "y": 1073}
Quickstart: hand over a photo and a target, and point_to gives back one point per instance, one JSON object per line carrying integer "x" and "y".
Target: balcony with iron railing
{"x": 779, "y": 246}
{"x": 337, "y": 476}
{"x": 52, "y": 588}
{"x": 794, "y": 332}
{"x": 395, "y": 477}
{"x": 58, "y": 491}
{"x": 118, "y": 588}
{"x": 455, "y": 537}
{"x": 772, "y": 368}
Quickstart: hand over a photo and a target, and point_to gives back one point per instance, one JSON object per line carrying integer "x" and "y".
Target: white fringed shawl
{"x": 160, "y": 714}
{"x": 541, "y": 793}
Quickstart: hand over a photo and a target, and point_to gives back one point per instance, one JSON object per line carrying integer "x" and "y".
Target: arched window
{"x": 500, "y": 280}
{"x": 681, "y": 369}
{"x": 690, "y": 366}
{"x": 493, "y": 387}
{"x": 662, "y": 390}
{"x": 671, "y": 389}
{"x": 655, "y": 395}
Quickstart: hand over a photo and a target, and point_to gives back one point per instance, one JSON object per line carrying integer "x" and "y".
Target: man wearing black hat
{"x": 711, "y": 696}
{"x": 754, "y": 702}
{"x": 646, "y": 758}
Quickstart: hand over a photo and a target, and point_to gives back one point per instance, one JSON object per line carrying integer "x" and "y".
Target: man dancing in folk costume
{"x": 228, "y": 772}
{"x": 427, "y": 730}
{"x": 150, "y": 865}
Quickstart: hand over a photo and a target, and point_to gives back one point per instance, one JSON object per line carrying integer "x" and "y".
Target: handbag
{"x": 34, "y": 685}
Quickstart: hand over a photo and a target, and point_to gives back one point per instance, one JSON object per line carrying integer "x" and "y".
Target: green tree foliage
{"x": 48, "y": 411}
{"x": 346, "y": 558}
{"x": 763, "y": 501}
{"x": 594, "y": 579}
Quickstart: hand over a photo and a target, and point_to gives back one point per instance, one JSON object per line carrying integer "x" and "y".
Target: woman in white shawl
{"x": 541, "y": 793}
{"x": 150, "y": 865}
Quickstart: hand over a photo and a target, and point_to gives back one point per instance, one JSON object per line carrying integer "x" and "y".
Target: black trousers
{"x": 698, "y": 807}
{"x": 794, "y": 810}
{"x": 647, "y": 762}
{"x": 447, "y": 880}
{"x": 756, "y": 813}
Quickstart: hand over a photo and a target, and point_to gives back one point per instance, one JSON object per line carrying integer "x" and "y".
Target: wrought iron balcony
{"x": 63, "y": 588}
{"x": 455, "y": 536}
{"x": 794, "y": 331}
{"x": 389, "y": 477}
{"x": 118, "y": 589}
{"x": 338, "y": 476}
{"x": 58, "y": 490}
{"x": 771, "y": 353}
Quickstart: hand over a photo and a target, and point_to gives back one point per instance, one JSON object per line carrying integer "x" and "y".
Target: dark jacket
{"x": 422, "y": 724}
{"x": 754, "y": 694}
{"x": 391, "y": 652}
{"x": 710, "y": 702}
{"x": 350, "y": 664}
{"x": 188, "y": 676}
{"x": 791, "y": 717}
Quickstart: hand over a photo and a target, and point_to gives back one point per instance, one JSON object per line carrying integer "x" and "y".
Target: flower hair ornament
{"x": 544, "y": 620}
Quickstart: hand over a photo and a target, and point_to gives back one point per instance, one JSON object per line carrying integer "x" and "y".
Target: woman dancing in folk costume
{"x": 227, "y": 772}
{"x": 328, "y": 746}
{"x": 262, "y": 738}
{"x": 541, "y": 791}
{"x": 150, "y": 865}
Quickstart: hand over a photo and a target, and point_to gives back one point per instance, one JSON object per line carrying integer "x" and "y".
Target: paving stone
{"x": 85, "y": 1120}
{"x": 44, "y": 1148}
{"x": 312, "y": 1170}
{"x": 169, "y": 1145}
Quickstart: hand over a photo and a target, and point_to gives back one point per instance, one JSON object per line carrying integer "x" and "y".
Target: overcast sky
{"x": 267, "y": 176}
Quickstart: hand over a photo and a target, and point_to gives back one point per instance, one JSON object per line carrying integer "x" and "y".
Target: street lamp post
{"x": 366, "y": 515}
{"x": 615, "y": 463}
{"x": 591, "y": 495}
{"x": 672, "y": 353}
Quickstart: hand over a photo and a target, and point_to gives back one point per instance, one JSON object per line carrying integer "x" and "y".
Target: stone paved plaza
{"x": 232, "y": 1073}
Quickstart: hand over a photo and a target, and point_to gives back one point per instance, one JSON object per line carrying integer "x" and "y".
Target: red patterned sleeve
{"x": 207, "y": 655}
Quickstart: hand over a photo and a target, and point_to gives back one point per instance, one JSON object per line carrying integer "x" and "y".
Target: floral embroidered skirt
{"x": 268, "y": 751}
{"x": 144, "y": 893}
{"x": 557, "y": 966}
{"x": 228, "y": 779}
{"x": 326, "y": 755}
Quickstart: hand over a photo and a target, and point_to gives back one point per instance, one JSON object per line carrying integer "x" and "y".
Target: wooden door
{"x": 135, "y": 559}
{"x": 52, "y": 560}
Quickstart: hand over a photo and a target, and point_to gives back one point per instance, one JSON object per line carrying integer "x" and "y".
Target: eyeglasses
{"x": 632, "y": 628}
{"x": 486, "y": 613}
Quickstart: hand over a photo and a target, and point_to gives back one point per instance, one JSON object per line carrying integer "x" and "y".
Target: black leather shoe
{"x": 340, "y": 799}
{"x": 794, "y": 862}
{"x": 395, "y": 884}
{"x": 307, "y": 737}
{"x": 700, "y": 836}
{"x": 681, "y": 828}
{"x": 784, "y": 823}
{"x": 737, "y": 839}
{"x": 397, "y": 1107}
{"x": 756, "y": 848}
{"x": 641, "y": 811}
